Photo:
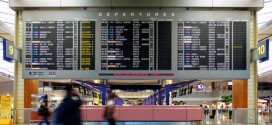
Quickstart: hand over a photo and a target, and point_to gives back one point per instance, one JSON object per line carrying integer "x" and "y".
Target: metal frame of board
{"x": 173, "y": 15}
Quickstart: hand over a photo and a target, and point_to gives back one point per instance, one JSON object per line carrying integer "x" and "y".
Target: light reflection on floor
{"x": 221, "y": 119}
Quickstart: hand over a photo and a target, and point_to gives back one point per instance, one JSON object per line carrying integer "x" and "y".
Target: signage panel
{"x": 8, "y": 50}
{"x": 263, "y": 50}
{"x": 11, "y": 52}
{"x": 136, "y": 44}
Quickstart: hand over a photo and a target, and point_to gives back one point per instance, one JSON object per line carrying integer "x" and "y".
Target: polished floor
{"x": 221, "y": 119}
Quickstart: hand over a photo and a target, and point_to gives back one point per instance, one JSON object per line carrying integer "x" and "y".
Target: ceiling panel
{"x": 4, "y": 79}
{"x": 264, "y": 15}
{"x": 267, "y": 78}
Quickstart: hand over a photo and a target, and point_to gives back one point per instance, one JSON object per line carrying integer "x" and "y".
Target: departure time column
{"x": 151, "y": 46}
{"x": 227, "y": 46}
{"x": 60, "y": 45}
{"x": 180, "y": 45}
{"x": 28, "y": 48}
{"x": 104, "y": 45}
{"x": 141, "y": 45}
{"x": 75, "y": 45}
{"x": 136, "y": 45}
{"x": 211, "y": 43}
{"x": 68, "y": 45}
{"x": 221, "y": 46}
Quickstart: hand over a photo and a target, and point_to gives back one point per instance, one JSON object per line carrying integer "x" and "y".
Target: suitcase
{"x": 211, "y": 117}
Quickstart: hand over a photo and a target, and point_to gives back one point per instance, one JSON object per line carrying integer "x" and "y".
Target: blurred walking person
{"x": 230, "y": 110}
{"x": 71, "y": 107}
{"x": 205, "y": 108}
{"x": 44, "y": 111}
{"x": 213, "y": 108}
{"x": 110, "y": 109}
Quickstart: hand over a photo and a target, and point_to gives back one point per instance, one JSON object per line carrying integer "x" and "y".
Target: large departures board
{"x": 135, "y": 44}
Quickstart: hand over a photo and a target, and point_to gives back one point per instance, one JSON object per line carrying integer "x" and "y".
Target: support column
{"x": 160, "y": 93}
{"x": 167, "y": 95}
{"x": 150, "y": 100}
{"x": 104, "y": 94}
{"x": 105, "y": 82}
{"x": 160, "y": 98}
{"x": 18, "y": 86}
{"x": 31, "y": 86}
{"x": 244, "y": 92}
{"x": 213, "y": 86}
{"x": 239, "y": 93}
{"x": 155, "y": 99}
{"x": 227, "y": 86}
{"x": 253, "y": 80}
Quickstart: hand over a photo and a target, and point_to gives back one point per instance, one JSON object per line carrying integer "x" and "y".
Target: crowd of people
{"x": 68, "y": 111}
{"x": 219, "y": 108}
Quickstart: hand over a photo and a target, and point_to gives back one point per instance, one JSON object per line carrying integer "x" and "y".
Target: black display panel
{"x": 239, "y": 45}
{"x": 60, "y": 45}
{"x": 212, "y": 45}
{"x": 136, "y": 45}
{"x": 164, "y": 45}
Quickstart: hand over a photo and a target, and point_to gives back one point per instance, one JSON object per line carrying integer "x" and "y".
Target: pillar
{"x": 244, "y": 92}
{"x": 253, "y": 80}
{"x": 155, "y": 99}
{"x": 239, "y": 93}
{"x": 18, "y": 85}
{"x": 213, "y": 86}
{"x": 227, "y": 86}
{"x": 167, "y": 95}
{"x": 31, "y": 86}
{"x": 160, "y": 98}
{"x": 104, "y": 94}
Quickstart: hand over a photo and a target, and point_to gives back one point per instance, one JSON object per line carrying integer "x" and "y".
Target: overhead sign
{"x": 11, "y": 52}
{"x": 263, "y": 50}
{"x": 6, "y": 53}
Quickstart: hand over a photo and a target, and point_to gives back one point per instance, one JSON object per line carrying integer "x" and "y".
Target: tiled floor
{"x": 221, "y": 119}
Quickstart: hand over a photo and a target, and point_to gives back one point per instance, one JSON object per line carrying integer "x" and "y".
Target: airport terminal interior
{"x": 136, "y": 62}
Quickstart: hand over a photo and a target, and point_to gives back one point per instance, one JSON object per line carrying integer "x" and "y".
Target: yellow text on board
{"x": 261, "y": 50}
{"x": 11, "y": 50}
